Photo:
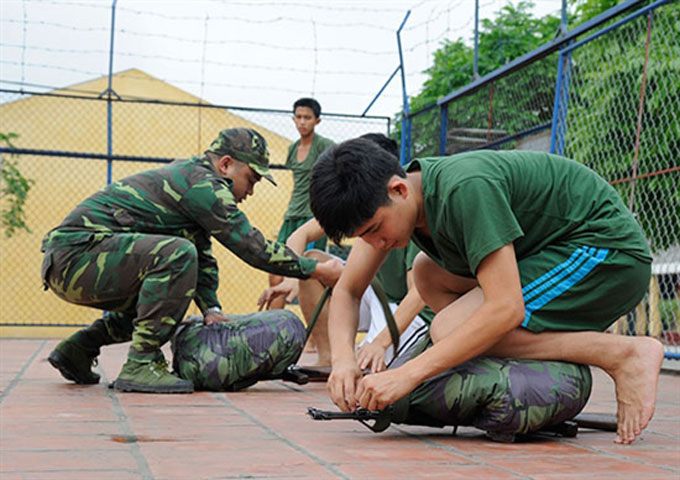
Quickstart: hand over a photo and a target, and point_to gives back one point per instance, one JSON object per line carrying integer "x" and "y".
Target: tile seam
{"x": 616, "y": 456}
{"x": 123, "y": 420}
{"x": 229, "y": 404}
{"x": 473, "y": 458}
{"x": 18, "y": 376}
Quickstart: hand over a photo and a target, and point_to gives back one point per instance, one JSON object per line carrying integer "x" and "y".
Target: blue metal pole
{"x": 556, "y": 107}
{"x": 109, "y": 105}
{"x": 405, "y": 120}
{"x": 409, "y": 138}
{"x": 475, "y": 70}
{"x": 380, "y": 91}
{"x": 564, "y": 107}
{"x": 443, "y": 128}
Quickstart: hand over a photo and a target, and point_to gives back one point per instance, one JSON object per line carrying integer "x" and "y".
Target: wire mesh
{"x": 500, "y": 113}
{"x": 622, "y": 119}
{"x": 425, "y": 134}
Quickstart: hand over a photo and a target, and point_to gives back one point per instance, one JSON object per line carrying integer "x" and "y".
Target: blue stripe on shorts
{"x": 560, "y": 279}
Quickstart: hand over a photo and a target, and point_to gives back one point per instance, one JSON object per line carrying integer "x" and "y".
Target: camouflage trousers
{"x": 235, "y": 354}
{"x": 499, "y": 395}
{"x": 145, "y": 282}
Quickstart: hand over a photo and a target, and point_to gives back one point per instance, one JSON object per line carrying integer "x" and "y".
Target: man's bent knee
{"x": 179, "y": 259}
{"x": 437, "y": 286}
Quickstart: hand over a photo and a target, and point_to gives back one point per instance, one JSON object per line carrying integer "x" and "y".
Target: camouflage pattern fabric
{"x": 223, "y": 355}
{"x": 145, "y": 282}
{"x": 499, "y": 395}
{"x": 245, "y": 145}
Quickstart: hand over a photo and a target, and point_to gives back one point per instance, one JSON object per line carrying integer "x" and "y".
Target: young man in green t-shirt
{"x": 395, "y": 276}
{"x": 525, "y": 254}
{"x": 301, "y": 157}
{"x": 375, "y": 352}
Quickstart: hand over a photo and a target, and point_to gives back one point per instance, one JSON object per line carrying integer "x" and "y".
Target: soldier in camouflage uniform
{"x": 140, "y": 249}
{"x": 236, "y": 354}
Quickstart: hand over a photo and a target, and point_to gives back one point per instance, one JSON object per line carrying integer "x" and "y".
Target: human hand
{"x": 371, "y": 355}
{"x": 379, "y": 390}
{"x": 214, "y": 317}
{"x": 290, "y": 287}
{"x": 342, "y": 384}
{"x": 328, "y": 272}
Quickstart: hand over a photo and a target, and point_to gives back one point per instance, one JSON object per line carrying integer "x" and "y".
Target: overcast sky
{"x": 243, "y": 53}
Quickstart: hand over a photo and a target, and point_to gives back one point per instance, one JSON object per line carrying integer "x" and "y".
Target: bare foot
{"x": 636, "y": 378}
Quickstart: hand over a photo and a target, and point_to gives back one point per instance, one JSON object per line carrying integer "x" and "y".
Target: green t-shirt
{"x": 476, "y": 202}
{"x": 392, "y": 276}
{"x": 298, "y": 207}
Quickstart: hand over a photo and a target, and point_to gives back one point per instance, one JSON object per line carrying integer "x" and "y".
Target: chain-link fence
{"x": 62, "y": 147}
{"x": 621, "y": 117}
{"x": 505, "y": 110}
{"x": 617, "y": 110}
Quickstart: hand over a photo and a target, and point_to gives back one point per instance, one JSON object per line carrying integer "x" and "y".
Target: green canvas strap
{"x": 384, "y": 303}
{"x": 389, "y": 318}
{"x": 317, "y": 311}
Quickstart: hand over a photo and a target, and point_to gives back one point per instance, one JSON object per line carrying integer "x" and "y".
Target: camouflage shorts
{"x": 230, "y": 355}
{"x": 147, "y": 280}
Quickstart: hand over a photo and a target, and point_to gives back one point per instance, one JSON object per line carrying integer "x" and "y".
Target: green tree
{"x": 520, "y": 101}
{"x": 587, "y": 9}
{"x": 14, "y": 189}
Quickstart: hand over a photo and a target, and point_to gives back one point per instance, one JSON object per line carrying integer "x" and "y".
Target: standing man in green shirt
{"x": 524, "y": 254}
{"x": 301, "y": 157}
{"x": 140, "y": 249}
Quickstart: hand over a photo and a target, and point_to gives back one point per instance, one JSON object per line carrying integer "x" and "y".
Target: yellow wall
{"x": 60, "y": 183}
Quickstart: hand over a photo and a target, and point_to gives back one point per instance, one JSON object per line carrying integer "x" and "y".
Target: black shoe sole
{"x": 68, "y": 371}
{"x": 126, "y": 386}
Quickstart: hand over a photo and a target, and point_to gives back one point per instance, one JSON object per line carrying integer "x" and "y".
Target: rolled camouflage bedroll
{"x": 498, "y": 395}
{"x": 229, "y": 356}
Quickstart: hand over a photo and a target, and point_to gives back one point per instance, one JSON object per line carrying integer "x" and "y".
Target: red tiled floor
{"x": 74, "y": 475}
{"x": 50, "y": 429}
{"x": 65, "y": 459}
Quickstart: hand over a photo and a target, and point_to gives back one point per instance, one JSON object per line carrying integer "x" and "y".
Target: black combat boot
{"x": 74, "y": 356}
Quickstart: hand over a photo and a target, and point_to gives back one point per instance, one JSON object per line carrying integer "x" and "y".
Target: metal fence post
{"x": 556, "y": 108}
{"x": 443, "y": 127}
{"x": 475, "y": 66}
{"x": 405, "y": 118}
{"x": 109, "y": 104}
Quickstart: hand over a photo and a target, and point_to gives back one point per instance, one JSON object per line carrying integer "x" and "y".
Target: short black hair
{"x": 308, "y": 102}
{"x": 349, "y": 183}
{"x": 384, "y": 142}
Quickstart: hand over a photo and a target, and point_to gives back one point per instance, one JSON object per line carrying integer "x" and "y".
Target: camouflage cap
{"x": 244, "y": 145}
